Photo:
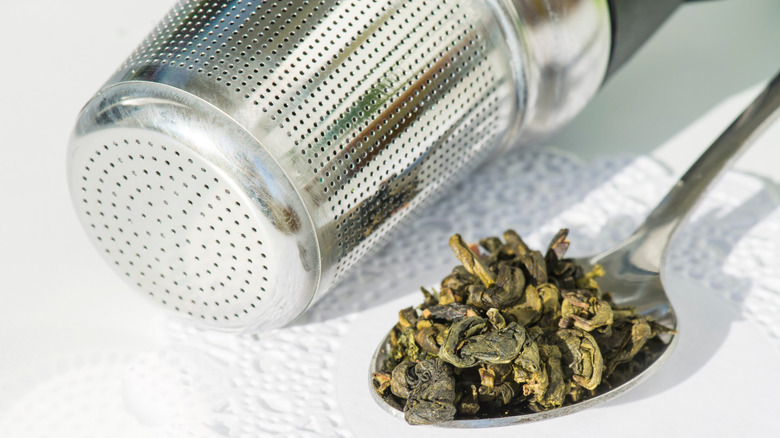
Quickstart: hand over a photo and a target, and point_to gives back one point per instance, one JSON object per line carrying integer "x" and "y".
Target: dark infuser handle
{"x": 633, "y": 23}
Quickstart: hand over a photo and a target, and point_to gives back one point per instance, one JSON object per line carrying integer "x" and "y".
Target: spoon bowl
{"x": 633, "y": 268}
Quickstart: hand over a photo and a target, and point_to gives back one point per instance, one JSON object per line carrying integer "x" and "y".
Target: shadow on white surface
{"x": 708, "y": 299}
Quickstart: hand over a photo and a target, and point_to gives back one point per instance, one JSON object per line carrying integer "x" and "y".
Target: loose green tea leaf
{"x": 584, "y": 311}
{"x": 512, "y": 331}
{"x": 432, "y": 395}
{"x": 471, "y": 261}
{"x": 499, "y": 346}
{"x": 582, "y": 355}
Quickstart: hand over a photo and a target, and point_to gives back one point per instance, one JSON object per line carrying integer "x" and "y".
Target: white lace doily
{"x": 310, "y": 379}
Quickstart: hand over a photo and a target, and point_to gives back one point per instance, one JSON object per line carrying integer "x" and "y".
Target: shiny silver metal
{"x": 565, "y": 46}
{"x": 248, "y": 153}
{"x": 633, "y": 268}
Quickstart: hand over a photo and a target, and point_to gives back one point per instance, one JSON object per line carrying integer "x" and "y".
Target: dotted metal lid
{"x": 224, "y": 243}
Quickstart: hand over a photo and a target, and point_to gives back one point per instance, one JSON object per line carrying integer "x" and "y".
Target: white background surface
{"x": 70, "y": 329}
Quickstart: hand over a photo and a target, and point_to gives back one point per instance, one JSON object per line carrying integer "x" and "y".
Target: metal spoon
{"x": 633, "y": 268}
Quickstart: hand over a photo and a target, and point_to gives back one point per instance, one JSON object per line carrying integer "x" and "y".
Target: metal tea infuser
{"x": 248, "y": 153}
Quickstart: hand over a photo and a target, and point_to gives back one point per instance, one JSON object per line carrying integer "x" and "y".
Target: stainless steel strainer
{"x": 248, "y": 153}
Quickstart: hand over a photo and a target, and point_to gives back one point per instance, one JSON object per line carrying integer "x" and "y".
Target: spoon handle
{"x": 652, "y": 237}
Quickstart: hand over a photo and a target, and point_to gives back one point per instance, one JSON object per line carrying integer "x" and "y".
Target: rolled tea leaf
{"x": 495, "y": 347}
{"x": 557, "y": 247}
{"x": 583, "y": 357}
{"x": 491, "y": 244}
{"x": 407, "y": 317}
{"x": 381, "y": 381}
{"x": 515, "y": 242}
{"x": 584, "y": 312}
{"x": 432, "y": 398}
{"x": 471, "y": 261}
{"x": 628, "y": 338}
{"x": 458, "y": 333}
{"x": 506, "y": 291}
{"x": 556, "y": 390}
{"x": 497, "y": 320}
{"x": 497, "y": 384}
{"x": 426, "y": 339}
{"x": 510, "y": 283}
{"x": 564, "y": 274}
{"x": 407, "y": 347}
{"x": 400, "y": 384}
{"x": 535, "y": 266}
{"x": 550, "y": 297}
{"x": 448, "y": 313}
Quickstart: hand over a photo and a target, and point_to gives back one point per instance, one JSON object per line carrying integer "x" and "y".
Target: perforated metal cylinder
{"x": 247, "y": 154}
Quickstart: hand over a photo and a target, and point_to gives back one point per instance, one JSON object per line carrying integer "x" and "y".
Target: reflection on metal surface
{"x": 337, "y": 120}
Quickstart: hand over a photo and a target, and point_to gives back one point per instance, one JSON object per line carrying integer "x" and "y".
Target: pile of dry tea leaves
{"x": 511, "y": 331}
